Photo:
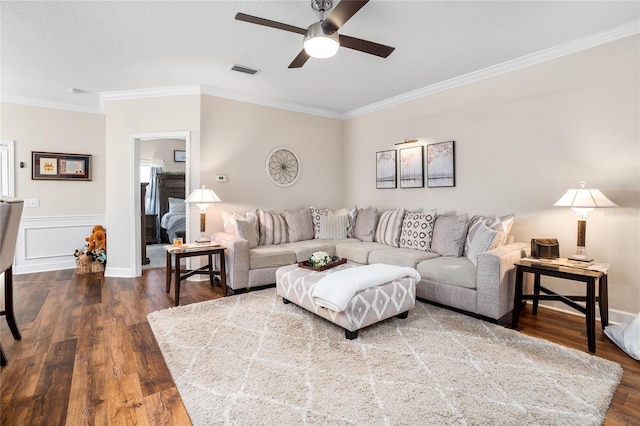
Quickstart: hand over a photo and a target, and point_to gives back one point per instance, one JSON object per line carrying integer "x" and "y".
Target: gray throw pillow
{"x": 366, "y": 223}
{"x": 299, "y": 225}
{"x": 449, "y": 235}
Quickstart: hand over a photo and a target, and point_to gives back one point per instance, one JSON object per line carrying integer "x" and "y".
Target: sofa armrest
{"x": 496, "y": 279}
{"x": 236, "y": 258}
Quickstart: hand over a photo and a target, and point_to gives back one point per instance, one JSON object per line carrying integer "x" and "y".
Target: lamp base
{"x": 581, "y": 256}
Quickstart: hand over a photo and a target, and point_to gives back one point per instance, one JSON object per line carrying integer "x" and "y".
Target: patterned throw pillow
{"x": 273, "y": 228}
{"x": 366, "y": 222}
{"x": 502, "y": 225}
{"x": 333, "y": 227}
{"x": 299, "y": 225}
{"x": 317, "y": 213}
{"x": 482, "y": 242}
{"x": 229, "y": 221}
{"x": 449, "y": 233}
{"x": 417, "y": 230}
{"x": 389, "y": 226}
{"x": 247, "y": 230}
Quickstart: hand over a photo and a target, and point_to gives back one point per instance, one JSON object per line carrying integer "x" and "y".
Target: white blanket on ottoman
{"x": 336, "y": 290}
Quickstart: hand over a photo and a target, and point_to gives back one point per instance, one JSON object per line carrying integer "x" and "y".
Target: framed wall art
{"x": 386, "y": 169}
{"x": 441, "y": 164}
{"x": 412, "y": 167}
{"x": 179, "y": 156}
{"x": 57, "y": 166}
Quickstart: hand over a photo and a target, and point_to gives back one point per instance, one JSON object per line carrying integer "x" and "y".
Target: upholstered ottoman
{"x": 368, "y": 306}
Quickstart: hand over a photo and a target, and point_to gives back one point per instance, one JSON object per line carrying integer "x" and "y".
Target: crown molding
{"x": 617, "y": 33}
{"x": 43, "y": 103}
{"x": 156, "y": 92}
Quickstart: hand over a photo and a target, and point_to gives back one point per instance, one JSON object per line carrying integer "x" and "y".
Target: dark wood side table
{"x": 588, "y": 276}
{"x": 191, "y": 250}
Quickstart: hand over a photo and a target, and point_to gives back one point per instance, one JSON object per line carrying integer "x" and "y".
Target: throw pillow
{"x": 500, "y": 224}
{"x": 273, "y": 228}
{"x": 389, "y": 226}
{"x": 366, "y": 223}
{"x": 626, "y": 336}
{"x": 247, "y": 230}
{"x": 299, "y": 225}
{"x": 482, "y": 242}
{"x": 417, "y": 230}
{"x": 229, "y": 221}
{"x": 316, "y": 213}
{"x": 177, "y": 206}
{"x": 352, "y": 214}
{"x": 333, "y": 227}
{"x": 449, "y": 234}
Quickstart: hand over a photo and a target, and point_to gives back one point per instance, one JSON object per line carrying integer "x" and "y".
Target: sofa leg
{"x": 285, "y": 301}
{"x": 350, "y": 335}
{"x": 403, "y": 315}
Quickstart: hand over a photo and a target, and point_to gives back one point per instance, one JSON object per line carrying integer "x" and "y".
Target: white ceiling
{"x": 51, "y": 46}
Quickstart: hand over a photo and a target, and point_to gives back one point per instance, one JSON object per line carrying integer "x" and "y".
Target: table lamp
{"x": 582, "y": 201}
{"x": 203, "y": 197}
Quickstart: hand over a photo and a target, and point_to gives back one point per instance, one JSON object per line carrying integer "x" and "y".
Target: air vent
{"x": 243, "y": 69}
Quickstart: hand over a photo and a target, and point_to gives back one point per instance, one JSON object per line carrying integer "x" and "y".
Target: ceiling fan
{"x": 321, "y": 39}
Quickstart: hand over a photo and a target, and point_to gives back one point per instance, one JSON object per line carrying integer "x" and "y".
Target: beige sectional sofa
{"x": 465, "y": 263}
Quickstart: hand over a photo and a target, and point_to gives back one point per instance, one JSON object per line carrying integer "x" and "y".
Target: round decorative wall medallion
{"x": 282, "y": 167}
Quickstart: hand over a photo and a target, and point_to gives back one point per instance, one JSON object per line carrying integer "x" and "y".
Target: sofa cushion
{"x": 389, "y": 226}
{"x": 229, "y": 221}
{"x": 247, "y": 230}
{"x": 304, "y": 249}
{"x": 482, "y": 241}
{"x": 333, "y": 228}
{"x": 400, "y": 256}
{"x": 449, "y": 234}
{"x": 366, "y": 223}
{"x": 299, "y": 225}
{"x": 273, "y": 228}
{"x": 358, "y": 251}
{"x": 270, "y": 256}
{"x": 417, "y": 230}
{"x": 456, "y": 271}
{"x": 500, "y": 224}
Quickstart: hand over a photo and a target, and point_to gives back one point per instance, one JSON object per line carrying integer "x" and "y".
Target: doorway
{"x": 7, "y": 172}
{"x": 140, "y": 145}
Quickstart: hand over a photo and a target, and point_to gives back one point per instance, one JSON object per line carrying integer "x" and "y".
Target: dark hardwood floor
{"x": 88, "y": 355}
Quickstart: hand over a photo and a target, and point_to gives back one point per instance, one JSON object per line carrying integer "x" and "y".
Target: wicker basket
{"x": 84, "y": 265}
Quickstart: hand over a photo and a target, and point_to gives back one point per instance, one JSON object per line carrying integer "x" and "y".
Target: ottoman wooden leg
{"x": 350, "y": 335}
{"x": 285, "y": 301}
{"x": 403, "y": 315}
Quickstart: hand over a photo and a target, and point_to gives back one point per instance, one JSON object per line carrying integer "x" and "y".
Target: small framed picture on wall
{"x": 441, "y": 165}
{"x": 386, "y": 169}
{"x": 179, "y": 156}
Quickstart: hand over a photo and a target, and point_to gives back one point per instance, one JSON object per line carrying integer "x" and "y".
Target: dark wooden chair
{"x": 10, "y": 213}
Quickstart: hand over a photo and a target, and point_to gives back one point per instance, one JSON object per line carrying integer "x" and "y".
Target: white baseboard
{"x": 48, "y": 243}
{"x": 615, "y": 316}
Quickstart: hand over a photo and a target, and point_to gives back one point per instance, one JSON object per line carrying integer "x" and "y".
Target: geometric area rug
{"x": 249, "y": 359}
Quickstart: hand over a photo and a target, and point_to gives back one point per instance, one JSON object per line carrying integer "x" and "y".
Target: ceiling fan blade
{"x": 342, "y": 13}
{"x": 366, "y": 46}
{"x": 300, "y": 60}
{"x": 269, "y": 23}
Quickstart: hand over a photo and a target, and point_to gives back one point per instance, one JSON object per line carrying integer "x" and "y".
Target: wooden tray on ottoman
{"x": 334, "y": 262}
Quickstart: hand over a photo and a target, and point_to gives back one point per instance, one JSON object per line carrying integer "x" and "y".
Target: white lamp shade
{"x": 203, "y": 196}
{"x": 319, "y": 43}
{"x": 584, "y": 198}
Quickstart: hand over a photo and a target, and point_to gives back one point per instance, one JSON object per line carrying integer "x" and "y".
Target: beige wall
{"x": 236, "y": 139}
{"x": 126, "y": 118}
{"x": 158, "y": 150}
{"x": 522, "y": 139}
{"x": 54, "y": 130}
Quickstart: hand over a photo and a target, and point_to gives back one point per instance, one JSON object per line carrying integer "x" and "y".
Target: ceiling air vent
{"x": 241, "y": 68}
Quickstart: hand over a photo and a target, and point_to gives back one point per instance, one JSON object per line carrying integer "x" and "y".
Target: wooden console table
{"x": 588, "y": 276}
{"x": 191, "y": 250}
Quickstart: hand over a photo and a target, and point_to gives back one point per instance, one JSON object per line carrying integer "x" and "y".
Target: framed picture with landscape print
{"x": 57, "y": 166}
{"x": 386, "y": 169}
{"x": 441, "y": 165}
{"x": 412, "y": 167}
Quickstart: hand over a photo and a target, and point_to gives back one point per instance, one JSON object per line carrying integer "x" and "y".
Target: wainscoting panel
{"x": 48, "y": 243}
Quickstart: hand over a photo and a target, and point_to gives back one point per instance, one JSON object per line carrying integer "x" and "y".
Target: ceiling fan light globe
{"x": 318, "y": 43}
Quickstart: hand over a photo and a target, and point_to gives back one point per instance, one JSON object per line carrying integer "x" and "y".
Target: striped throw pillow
{"x": 273, "y": 228}
{"x": 247, "y": 230}
{"x": 333, "y": 227}
{"x": 482, "y": 242}
{"x": 389, "y": 226}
